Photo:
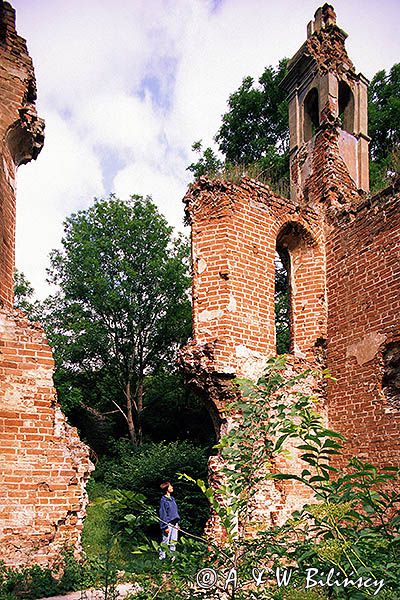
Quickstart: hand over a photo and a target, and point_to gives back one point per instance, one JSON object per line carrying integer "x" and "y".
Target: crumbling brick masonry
{"x": 44, "y": 465}
{"x": 343, "y": 254}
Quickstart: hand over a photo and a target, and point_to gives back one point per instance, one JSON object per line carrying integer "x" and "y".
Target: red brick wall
{"x": 44, "y": 464}
{"x": 363, "y": 286}
{"x": 234, "y": 233}
{"x": 345, "y": 297}
{"x": 344, "y": 264}
{"x": 21, "y": 135}
{"x": 7, "y": 230}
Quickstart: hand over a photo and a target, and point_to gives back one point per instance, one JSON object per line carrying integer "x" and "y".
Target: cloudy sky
{"x": 126, "y": 87}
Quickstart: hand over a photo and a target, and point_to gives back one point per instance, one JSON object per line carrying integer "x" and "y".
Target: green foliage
{"x": 129, "y": 514}
{"x": 352, "y": 525}
{"x": 172, "y": 412}
{"x": 254, "y": 134}
{"x": 254, "y": 131}
{"x": 40, "y": 582}
{"x": 384, "y": 126}
{"x": 97, "y": 529}
{"x": 31, "y": 582}
{"x": 282, "y": 317}
{"x": 120, "y": 521}
{"x": 143, "y": 469}
{"x": 256, "y": 124}
{"x": 122, "y": 310}
{"x": 23, "y": 297}
{"x": 208, "y": 163}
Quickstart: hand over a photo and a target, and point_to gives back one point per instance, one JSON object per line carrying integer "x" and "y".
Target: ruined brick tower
{"x": 342, "y": 252}
{"x": 44, "y": 465}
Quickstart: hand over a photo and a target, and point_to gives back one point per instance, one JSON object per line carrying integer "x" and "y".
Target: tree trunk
{"x": 139, "y": 411}
{"x": 129, "y": 415}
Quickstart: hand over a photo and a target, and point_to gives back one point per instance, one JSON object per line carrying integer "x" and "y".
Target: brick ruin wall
{"x": 345, "y": 306}
{"x": 342, "y": 251}
{"x": 363, "y": 287}
{"x": 43, "y": 464}
{"x": 235, "y": 228}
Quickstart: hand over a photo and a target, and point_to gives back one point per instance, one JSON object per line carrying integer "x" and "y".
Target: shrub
{"x": 142, "y": 469}
{"x": 40, "y": 582}
{"x": 352, "y": 525}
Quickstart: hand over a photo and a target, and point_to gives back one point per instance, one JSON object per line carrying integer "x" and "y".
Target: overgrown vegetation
{"x": 38, "y": 582}
{"x": 122, "y": 308}
{"x": 384, "y": 126}
{"x": 141, "y": 470}
{"x": 24, "y": 297}
{"x": 282, "y": 308}
{"x": 350, "y": 527}
{"x": 122, "y": 311}
{"x": 254, "y": 134}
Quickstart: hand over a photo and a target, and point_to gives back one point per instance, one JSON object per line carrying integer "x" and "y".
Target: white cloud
{"x": 167, "y": 190}
{"x": 65, "y": 179}
{"x": 127, "y": 86}
{"x": 120, "y": 122}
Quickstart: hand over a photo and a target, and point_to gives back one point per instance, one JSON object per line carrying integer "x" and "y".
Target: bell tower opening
{"x": 346, "y": 107}
{"x": 310, "y": 114}
{"x": 322, "y": 85}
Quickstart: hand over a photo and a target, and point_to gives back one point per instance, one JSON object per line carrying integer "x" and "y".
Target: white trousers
{"x": 169, "y": 538}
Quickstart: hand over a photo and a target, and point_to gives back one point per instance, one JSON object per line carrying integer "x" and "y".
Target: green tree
{"x": 282, "y": 308}
{"x": 23, "y": 296}
{"x": 256, "y": 126}
{"x": 208, "y": 162}
{"x": 123, "y": 306}
{"x": 384, "y": 125}
{"x": 254, "y": 130}
{"x": 173, "y": 412}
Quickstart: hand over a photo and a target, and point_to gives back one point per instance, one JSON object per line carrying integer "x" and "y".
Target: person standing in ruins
{"x": 169, "y": 519}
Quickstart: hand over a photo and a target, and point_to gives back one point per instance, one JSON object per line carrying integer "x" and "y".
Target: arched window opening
{"x": 299, "y": 287}
{"x": 346, "y": 107}
{"x": 311, "y": 114}
{"x": 282, "y": 300}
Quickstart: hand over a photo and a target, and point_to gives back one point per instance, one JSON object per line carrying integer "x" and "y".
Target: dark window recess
{"x": 282, "y": 301}
{"x": 391, "y": 375}
{"x": 346, "y": 107}
{"x": 31, "y": 96}
{"x": 311, "y": 114}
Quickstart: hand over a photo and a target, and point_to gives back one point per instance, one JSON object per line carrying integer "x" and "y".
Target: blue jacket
{"x": 168, "y": 511}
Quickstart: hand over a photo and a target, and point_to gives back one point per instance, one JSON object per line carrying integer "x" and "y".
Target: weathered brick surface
{"x": 363, "y": 286}
{"x": 21, "y": 135}
{"x": 233, "y": 254}
{"x": 344, "y": 266}
{"x": 44, "y": 466}
{"x": 235, "y": 229}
